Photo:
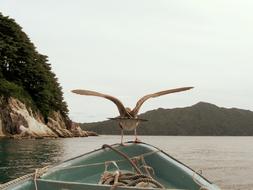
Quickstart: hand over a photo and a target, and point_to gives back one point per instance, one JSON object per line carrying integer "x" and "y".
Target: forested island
{"x": 31, "y": 98}
{"x": 200, "y": 119}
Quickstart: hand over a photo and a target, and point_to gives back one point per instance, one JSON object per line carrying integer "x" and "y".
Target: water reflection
{"x": 19, "y": 157}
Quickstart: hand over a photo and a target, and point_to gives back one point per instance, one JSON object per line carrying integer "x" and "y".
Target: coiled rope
{"x": 119, "y": 178}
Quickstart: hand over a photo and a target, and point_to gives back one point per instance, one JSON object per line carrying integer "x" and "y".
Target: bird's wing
{"x": 144, "y": 98}
{"x": 118, "y": 103}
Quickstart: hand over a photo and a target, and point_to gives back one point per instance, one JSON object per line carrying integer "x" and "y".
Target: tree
{"x": 25, "y": 73}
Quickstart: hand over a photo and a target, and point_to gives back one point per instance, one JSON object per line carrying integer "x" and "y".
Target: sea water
{"x": 226, "y": 161}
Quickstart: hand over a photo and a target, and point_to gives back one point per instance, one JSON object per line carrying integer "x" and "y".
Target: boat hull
{"x": 84, "y": 172}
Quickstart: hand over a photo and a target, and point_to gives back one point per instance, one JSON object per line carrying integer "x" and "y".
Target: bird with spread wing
{"x": 128, "y": 118}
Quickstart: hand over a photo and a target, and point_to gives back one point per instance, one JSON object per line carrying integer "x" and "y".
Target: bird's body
{"x": 128, "y": 119}
{"x": 126, "y": 123}
{"x": 129, "y": 124}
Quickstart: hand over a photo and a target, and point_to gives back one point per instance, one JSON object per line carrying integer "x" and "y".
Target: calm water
{"x": 227, "y": 161}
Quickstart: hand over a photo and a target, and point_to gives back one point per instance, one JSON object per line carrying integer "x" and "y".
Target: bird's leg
{"x": 122, "y": 133}
{"x": 136, "y": 140}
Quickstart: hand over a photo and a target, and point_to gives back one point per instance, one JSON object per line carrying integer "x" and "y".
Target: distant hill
{"x": 199, "y": 119}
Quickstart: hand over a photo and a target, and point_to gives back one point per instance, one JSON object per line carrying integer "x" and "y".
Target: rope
{"x": 118, "y": 179}
{"x": 147, "y": 180}
{"x": 111, "y": 162}
{"x": 146, "y": 167}
{"x": 125, "y": 156}
{"x": 34, "y": 175}
{"x": 114, "y": 187}
{"x": 5, "y": 185}
{"x": 35, "y": 179}
{"x": 128, "y": 179}
{"x": 102, "y": 163}
{"x": 134, "y": 177}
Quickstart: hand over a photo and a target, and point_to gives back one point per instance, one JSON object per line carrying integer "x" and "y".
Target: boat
{"x": 132, "y": 166}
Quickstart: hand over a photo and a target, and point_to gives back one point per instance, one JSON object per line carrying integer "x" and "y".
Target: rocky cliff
{"x": 19, "y": 121}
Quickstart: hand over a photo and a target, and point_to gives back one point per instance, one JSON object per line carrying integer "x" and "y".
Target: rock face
{"x": 19, "y": 121}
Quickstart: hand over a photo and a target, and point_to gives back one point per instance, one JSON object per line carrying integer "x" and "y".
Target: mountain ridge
{"x": 202, "y": 118}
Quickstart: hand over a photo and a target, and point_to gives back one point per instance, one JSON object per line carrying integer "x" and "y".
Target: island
{"x": 31, "y": 98}
{"x": 200, "y": 119}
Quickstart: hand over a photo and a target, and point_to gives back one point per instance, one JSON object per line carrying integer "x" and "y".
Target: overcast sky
{"x": 134, "y": 47}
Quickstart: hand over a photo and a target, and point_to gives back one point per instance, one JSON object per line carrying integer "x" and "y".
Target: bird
{"x": 128, "y": 118}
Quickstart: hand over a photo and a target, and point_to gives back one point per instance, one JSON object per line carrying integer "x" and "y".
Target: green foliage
{"x": 25, "y": 73}
{"x": 200, "y": 119}
{"x": 9, "y": 89}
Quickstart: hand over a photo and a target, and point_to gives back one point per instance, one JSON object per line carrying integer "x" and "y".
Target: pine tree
{"x": 25, "y": 73}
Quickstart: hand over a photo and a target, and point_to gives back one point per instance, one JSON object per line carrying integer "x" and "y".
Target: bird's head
{"x": 128, "y": 109}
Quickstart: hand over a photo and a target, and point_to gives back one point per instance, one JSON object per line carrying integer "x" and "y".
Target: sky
{"x": 136, "y": 47}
